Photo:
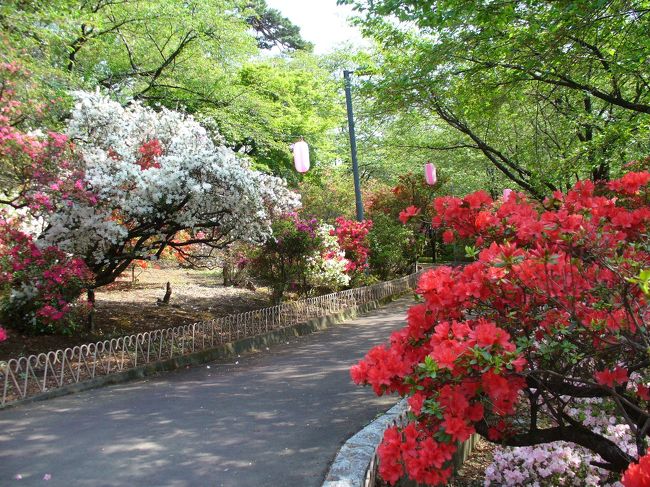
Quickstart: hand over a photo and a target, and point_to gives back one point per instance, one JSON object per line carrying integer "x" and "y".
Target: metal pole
{"x": 353, "y": 146}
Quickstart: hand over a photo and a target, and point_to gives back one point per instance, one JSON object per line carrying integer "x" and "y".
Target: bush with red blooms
{"x": 353, "y": 240}
{"x": 410, "y": 198}
{"x": 552, "y": 311}
{"x": 638, "y": 474}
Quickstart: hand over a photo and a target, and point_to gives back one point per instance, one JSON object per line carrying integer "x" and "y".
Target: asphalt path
{"x": 266, "y": 419}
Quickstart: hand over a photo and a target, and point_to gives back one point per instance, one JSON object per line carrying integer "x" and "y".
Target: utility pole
{"x": 353, "y": 146}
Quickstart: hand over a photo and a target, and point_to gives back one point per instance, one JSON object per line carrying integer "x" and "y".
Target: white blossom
{"x": 194, "y": 184}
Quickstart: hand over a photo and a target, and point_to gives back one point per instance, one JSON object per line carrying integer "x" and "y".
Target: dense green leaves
{"x": 546, "y": 91}
{"x": 202, "y": 57}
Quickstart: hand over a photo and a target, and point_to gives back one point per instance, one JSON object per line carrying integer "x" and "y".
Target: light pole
{"x": 353, "y": 146}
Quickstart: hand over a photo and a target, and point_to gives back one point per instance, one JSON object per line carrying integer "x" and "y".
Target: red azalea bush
{"x": 353, "y": 240}
{"x": 551, "y": 312}
{"x": 638, "y": 474}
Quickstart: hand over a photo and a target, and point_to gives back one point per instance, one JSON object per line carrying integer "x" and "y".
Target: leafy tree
{"x": 161, "y": 51}
{"x": 546, "y": 91}
{"x": 273, "y": 29}
{"x": 198, "y": 56}
{"x": 281, "y": 100}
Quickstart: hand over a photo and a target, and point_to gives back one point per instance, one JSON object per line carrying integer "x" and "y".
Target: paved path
{"x": 271, "y": 419}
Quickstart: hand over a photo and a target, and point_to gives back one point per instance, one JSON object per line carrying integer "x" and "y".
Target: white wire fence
{"x": 29, "y": 376}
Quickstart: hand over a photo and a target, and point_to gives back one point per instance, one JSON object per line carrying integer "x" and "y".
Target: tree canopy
{"x": 547, "y": 92}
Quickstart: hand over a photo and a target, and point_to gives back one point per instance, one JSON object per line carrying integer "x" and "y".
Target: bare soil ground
{"x": 125, "y": 308}
{"x": 472, "y": 473}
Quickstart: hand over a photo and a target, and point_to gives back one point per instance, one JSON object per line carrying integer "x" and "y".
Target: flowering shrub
{"x": 410, "y": 201}
{"x": 302, "y": 255}
{"x": 551, "y": 312}
{"x": 38, "y": 285}
{"x": 156, "y": 174}
{"x": 326, "y": 264}
{"x": 560, "y": 463}
{"x": 353, "y": 240}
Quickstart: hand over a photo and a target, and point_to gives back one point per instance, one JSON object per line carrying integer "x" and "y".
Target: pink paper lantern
{"x": 301, "y": 156}
{"x": 430, "y": 174}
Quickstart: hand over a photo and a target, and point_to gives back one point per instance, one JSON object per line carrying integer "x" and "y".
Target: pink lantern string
{"x": 301, "y": 156}
{"x": 430, "y": 174}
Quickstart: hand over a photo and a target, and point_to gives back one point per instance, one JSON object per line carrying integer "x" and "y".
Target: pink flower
{"x": 3, "y": 334}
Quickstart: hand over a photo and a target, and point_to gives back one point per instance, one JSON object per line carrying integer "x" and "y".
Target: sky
{"x": 321, "y": 22}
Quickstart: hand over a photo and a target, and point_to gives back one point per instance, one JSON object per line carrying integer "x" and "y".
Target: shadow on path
{"x": 275, "y": 418}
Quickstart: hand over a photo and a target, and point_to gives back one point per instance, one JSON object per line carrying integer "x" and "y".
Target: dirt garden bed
{"x": 125, "y": 308}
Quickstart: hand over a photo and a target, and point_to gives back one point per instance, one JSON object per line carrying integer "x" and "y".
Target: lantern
{"x": 430, "y": 174}
{"x": 301, "y": 156}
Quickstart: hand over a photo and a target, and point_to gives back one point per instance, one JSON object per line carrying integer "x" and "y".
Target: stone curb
{"x": 351, "y": 463}
{"x": 221, "y": 352}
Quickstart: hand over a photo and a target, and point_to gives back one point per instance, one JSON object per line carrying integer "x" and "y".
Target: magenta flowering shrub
{"x": 38, "y": 286}
{"x": 39, "y": 283}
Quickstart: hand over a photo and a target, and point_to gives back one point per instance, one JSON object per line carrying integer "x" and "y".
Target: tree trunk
{"x": 227, "y": 274}
{"x": 90, "y": 323}
{"x": 168, "y": 293}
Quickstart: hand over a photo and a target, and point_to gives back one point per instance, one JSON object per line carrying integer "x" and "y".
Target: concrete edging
{"x": 351, "y": 463}
{"x": 221, "y": 352}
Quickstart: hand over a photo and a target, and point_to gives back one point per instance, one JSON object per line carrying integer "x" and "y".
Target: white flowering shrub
{"x": 561, "y": 463}
{"x": 152, "y": 176}
{"x": 327, "y": 266}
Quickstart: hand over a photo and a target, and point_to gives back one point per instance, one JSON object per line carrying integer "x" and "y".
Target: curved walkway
{"x": 275, "y": 418}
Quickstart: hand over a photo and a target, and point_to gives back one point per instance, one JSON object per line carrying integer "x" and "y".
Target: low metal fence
{"x": 28, "y": 376}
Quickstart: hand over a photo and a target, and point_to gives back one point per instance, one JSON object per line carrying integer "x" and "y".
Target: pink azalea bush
{"x": 39, "y": 283}
{"x": 561, "y": 463}
{"x": 39, "y": 286}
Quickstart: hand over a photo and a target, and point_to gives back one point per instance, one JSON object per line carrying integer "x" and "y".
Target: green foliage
{"x": 273, "y": 29}
{"x": 329, "y": 193}
{"x": 200, "y": 56}
{"x": 391, "y": 247}
{"x": 282, "y": 99}
{"x": 546, "y": 92}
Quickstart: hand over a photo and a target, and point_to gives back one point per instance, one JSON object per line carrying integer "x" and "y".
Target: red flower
{"x": 416, "y": 401}
{"x": 630, "y": 183}
{"x": 406, "y": 214}
{"x": 457, "y": 428}
{"x": 643, "y": 392}
{"x": 389, "y": 451}
{"x": 638, "y": 474}
{"x": 611, "y": 378}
